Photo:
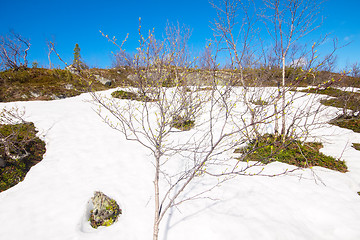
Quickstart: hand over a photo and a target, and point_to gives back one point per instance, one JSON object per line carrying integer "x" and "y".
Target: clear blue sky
{"x": 71, "y": 22}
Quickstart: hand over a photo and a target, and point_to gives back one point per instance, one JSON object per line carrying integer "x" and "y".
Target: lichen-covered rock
{"x": 103, "y": 80}
{"x": 106, "y": 211}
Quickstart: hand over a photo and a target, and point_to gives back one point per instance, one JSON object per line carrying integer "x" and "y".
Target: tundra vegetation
{"x": 248, "y": 106}
{"x": 20, "y": 148}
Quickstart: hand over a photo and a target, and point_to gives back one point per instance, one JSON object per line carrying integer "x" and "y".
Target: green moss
{"x": 24, "y": 137}
{"x": 131, "y": 96}
{"x": 351, "y": 103}
{"x": 182, "y": 123}
{"x": 347, "y": 122}
{"x": 259, "y": 102}
{"x": 267, "y": 149}
{"x": 124, "y": 95}
{"x": 342, "y": 99}
{"x": 333, "y": 92}
{"x": 356, "y": 146}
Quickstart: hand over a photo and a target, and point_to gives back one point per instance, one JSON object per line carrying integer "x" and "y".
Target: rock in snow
{"x": 106, "y": 211}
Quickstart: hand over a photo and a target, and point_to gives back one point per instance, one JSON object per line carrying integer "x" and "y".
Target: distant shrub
{"x": 35, "y": 64}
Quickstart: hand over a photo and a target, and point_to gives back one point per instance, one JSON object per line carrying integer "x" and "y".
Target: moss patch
{"x": 268, "y": 149}
{"x": 342, "y": 99}
{"x": 333, "y": 92}
{"x": 182, "y": 123}
{"x": 131, "y": 96}
{"x": 259, "y": 102}
{"x": 347, "y": 122}
{"x": 356, "y": 146}
{"x": 15, "y": 170}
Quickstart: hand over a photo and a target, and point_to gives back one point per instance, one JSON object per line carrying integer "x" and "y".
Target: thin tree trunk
{"x": 276, "y": 128}
{"x": 49, "y": 60}
{"x": 157, "y": 202}
{"x": 283, "y": 117}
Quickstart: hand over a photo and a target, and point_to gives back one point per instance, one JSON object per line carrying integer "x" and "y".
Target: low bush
{"x": 268, "y": 148}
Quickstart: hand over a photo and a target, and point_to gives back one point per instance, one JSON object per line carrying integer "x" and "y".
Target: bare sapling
{"x": 287, "y": 22}
{"x": 170, "y": 96}
{"x": 13, "y": 51}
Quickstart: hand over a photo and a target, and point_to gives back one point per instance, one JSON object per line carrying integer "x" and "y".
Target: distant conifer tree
{"x": 77, "y": 62}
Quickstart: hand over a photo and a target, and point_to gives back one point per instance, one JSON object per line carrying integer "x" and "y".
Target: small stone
{"x": 106, "y": 211}
{"x": 34, "y": 94}
{"x": 69, "y": 86}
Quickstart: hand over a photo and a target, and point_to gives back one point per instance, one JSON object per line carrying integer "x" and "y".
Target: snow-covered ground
{"x": 83, "y": 155}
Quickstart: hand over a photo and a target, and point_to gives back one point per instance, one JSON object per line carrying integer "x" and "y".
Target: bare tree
{"x": 287, "y": 22}
{"x": 355, "y": 70}
{"x": 122, "y": 59}
{"x": 13, "y": 51}
{"x": 301, "y": 60}
{"x": 168, "y": 88}
{"x": 237, "y": 35}
{"x": 50, "y": 45}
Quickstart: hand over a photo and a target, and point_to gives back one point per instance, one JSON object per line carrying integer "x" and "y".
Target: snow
{"x": 84, "y": 155}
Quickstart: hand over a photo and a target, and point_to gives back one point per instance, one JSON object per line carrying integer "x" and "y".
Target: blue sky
{"x": 70, "y": 22}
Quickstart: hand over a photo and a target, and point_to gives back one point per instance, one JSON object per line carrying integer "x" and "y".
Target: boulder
{"x": 106, "y": 211}
{"x": 103, "y": 80}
